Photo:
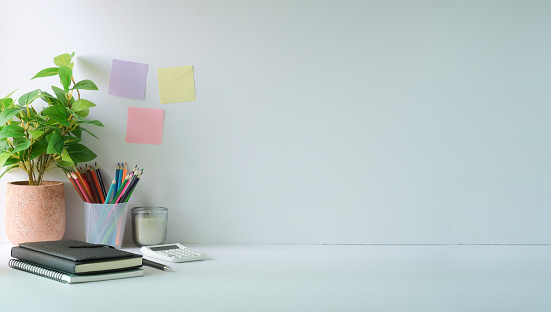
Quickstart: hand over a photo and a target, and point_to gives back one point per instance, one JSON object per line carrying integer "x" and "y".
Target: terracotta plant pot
{"x": 34, "y": 213}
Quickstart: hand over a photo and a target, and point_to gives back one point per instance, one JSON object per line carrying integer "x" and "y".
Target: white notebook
{"x": 71, "y": 278}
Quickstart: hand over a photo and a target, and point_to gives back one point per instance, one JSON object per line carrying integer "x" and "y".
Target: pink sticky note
{"x": 144, "y": 125}
{"x": 128, "y": 79}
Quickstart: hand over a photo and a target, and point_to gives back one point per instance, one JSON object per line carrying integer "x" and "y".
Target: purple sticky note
{"x": 128, "y": 79}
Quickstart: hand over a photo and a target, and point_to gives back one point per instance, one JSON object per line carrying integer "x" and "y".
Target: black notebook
{"x": 76, "y": 257}
{"x": 71, "y": 278}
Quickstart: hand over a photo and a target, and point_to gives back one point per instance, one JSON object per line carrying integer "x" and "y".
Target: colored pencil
{"x": 111, "y": 188}
{"x": 121, "y": 188}
{"x": 122, "y": 192}
{"x": 117, "y": 176}
{"x": 124, "y": 170}
{"x": 82, "y": 184}
{"x": 100, "y": 179}
{"x": 96, "y": 183}
{"x": 132, "y": 187}
{"x": 75, "y": 186}
{"x": 86, "y": 198}
{"x": 88, "y": 177}
{"x": 86, "y": 180}
{"x": 121, "y": 177}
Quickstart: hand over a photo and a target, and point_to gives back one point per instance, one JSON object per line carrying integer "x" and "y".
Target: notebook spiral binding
{"x": 36, "y": 269}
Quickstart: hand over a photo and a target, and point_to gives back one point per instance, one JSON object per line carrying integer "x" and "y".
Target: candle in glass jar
{"x": 149, "y": 225}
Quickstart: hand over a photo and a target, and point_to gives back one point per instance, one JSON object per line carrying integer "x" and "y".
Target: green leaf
{"x": 36, "y": 134}
{"x": 85, "y": 85}
{"x": 77, "y": 132}
{"x": 3, "y": 157}
{"x": 28, "y": 97}
{"x": 71, "y": 140}
{"x": 12, "y": 160}
{"x": 11, "y": 93}
{"x": 6, "y": 102}
{"x": 55, "y": 143}
{"x": 80, "y": 153}
{"x": 8, "y": 113}
{"x": 13, "y": 131}
{"x": 63, "y": 59}
{"x": 65, "y": 156}
{"x": 80, "y": 105}
{"x": 83, "y": 113}
{"x": 8, "y": 169}
{"x": 65, "y": 75}
{"x": 48, "y": 98}
{"x": 61, "y": 164}
{"x": 92, "y": 122}
{"x": 37, "y": 121}
{"x": 4, "y": 146}
{"x": 47, "y": 72}
{"x": 38, "y": 148}
{"x": 20, "y": 144}
{"x": 57, "y": 113}
{"x": 86, "y": 130}
{"x": 60, "y": 94}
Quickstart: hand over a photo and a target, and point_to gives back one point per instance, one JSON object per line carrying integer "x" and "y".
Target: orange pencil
{"x": 75, "y": 186}
{"x": 92, "y": 186}
{"x": 96, "y": 183}
{"x": 125, "y": 169}
{"x": 86, "y": 198}
{"x": 81, "y": 182}
{"x": 86, "y": 186}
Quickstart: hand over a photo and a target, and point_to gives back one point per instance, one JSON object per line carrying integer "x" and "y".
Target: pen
{"x": 155, "y": 265}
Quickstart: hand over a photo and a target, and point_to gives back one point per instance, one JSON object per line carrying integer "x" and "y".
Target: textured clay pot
{"x": 34, "y": 213}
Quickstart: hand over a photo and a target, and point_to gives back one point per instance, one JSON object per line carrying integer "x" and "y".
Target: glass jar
{"x": 149, "y": 225}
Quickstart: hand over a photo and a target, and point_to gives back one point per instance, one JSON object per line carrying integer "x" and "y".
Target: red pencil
{"x": 96, "y": 183}
{"x": 125, "y": 187}
{"x": 75, "y": 186}
{"x": 86, "y": 198}
{"x": 91, "y": 186}
{"x": 78, "y": 178}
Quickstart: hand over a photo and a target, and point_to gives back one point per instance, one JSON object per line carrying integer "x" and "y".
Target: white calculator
{"x": 172, "y": 253}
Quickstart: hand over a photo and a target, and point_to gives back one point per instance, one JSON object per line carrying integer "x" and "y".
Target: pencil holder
{"x": 104, "y": 223}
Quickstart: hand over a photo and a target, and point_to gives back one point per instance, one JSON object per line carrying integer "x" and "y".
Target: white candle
{"x": 149, "y": 227}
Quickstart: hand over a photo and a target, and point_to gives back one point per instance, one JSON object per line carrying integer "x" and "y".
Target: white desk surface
{"x": 308, "y": 278}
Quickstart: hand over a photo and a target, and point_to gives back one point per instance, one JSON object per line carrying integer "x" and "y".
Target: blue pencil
{"x": 111, "y": 188}
{"x": 117, "y": 174}
{"x": 121, "y": 177}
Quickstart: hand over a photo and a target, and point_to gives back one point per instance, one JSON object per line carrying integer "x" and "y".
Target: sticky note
{"x": 176, "y": 84}
{"x": 144, "y": 125}
{"x": 128, "y": 79}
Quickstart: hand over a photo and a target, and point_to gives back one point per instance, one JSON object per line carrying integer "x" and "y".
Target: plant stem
{"x": 74, "y": 83}
{"x": 45, "y": 163}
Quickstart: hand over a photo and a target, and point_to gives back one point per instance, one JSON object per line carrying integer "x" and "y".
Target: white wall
{"x": 317, "y": 121}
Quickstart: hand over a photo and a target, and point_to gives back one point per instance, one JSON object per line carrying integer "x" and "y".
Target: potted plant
{"x": 37, "y": 136}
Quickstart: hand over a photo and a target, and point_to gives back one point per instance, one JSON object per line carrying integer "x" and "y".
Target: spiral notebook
{"x": 71, "y": 278}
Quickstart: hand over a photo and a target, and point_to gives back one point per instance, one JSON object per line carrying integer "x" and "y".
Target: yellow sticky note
{"x": 176, "y": 84}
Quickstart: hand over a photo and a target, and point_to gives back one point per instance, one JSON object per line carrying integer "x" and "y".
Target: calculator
{"x": 172, "y": 253}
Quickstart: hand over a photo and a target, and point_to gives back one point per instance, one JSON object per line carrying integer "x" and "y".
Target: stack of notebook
{"x": 73, "y": 261}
